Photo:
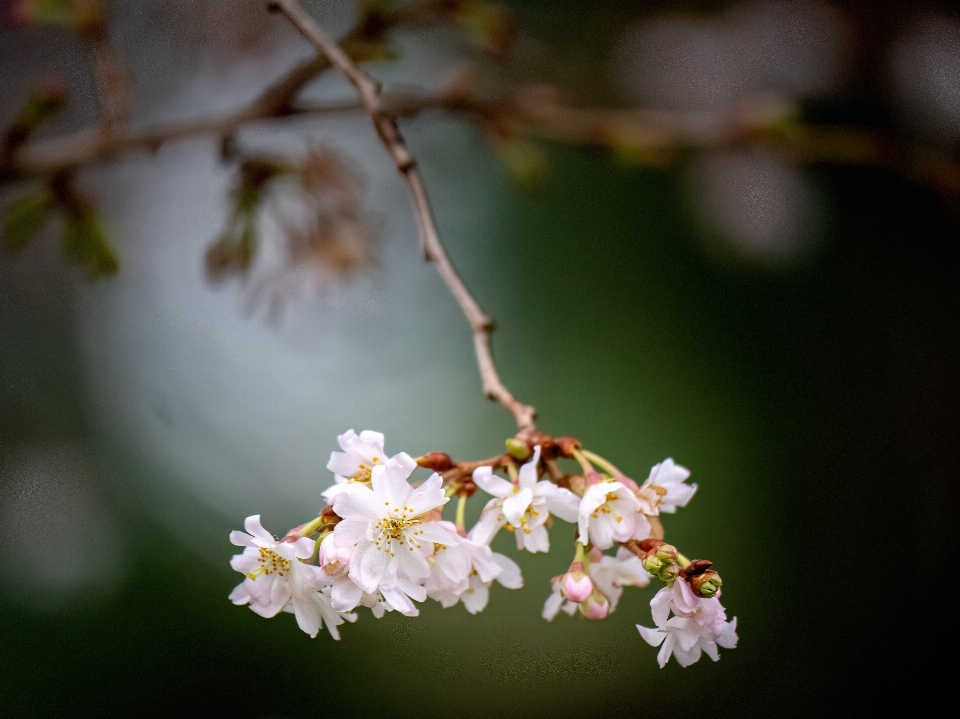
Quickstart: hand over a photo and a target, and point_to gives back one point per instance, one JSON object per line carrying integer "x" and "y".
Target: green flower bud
{"x": 653, "y": 565}
{"x": 669, "y": 572}
{"x": 666, "y": 553}
{"x": 706, "y": 584}
{"x": 517, "y": 449}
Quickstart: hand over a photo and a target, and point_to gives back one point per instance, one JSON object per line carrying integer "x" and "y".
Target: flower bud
{"x": 653, "y": 565}
{"x": 596, "y": 606}
{"x": 330, "y": 554}
{"x": 706, "y": 584}
{"x": 666, "y": 553}
{"x": 517, "y": 449}
{"x": 669, "y": 572}
{"x": 437, "y": 461}
{"x": 576, "y": 585}
{"x": 328, "y": 551}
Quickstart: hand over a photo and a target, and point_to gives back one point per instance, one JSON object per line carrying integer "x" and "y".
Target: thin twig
{"x": 369, "y": 92}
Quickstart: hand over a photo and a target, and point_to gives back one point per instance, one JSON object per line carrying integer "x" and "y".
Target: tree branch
{"x": 369, "y": 92}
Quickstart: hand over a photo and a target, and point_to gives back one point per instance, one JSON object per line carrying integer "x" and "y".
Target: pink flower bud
{"x": 593, "y": 478}
{"x": 577, "y": 586}
{"x": 596, "y": 607}
{"x": 328, "y": 551}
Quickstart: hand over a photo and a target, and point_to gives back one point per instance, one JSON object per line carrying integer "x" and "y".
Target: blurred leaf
{"x": 488, "y": 25}
{"x": 86, "y": 16}
{"x": 234, "y": 251}
{"x": 29, "y": 12}
{"x": 25, "y": 218}
{"x": 45, "y": 102}
{"x": 84, "y": 240}
{"x": 526, "y": 161}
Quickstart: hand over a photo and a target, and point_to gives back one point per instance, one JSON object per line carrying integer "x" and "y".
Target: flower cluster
{"x": 382, "y": 542}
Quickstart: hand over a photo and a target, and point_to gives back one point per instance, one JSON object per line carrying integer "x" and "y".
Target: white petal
{"x": 253, "y": 527}
{"x": 510, "y": 575}
{"x": 345, "y": 595}
{"x": 390, "y": 484}
{"x": 485, "y": 530}
{"x": 562, "y": 502}
{"x": 552, "y": 606}
{"x": 484, "y": 478}
{"x": 433, "y": 532}
{"x": 528, "y": 472}
{"x": 515, "y": 505}
{"x": 653, "y": 637}
{"x": 371, "y": 437}
{"x": 536, "y": 540}
{"x": 476, "y": 597}
{"x": 372, "y": 566}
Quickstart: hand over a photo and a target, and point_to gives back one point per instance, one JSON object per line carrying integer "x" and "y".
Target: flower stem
{"x": 461, "y": 510}
{"x": 307, "y": 529}
{"x": 683, "y": 561}
{"x": 584, "y": 464}
{"x": 597, "y": 459}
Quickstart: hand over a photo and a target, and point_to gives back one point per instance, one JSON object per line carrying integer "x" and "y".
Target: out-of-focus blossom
{"x": 755, "y": 205}
{"x": 522, "y": 507}
{"x": 924, "y": 70}
{"x": 611, "y": 574}
{"x": 665, "y": 488}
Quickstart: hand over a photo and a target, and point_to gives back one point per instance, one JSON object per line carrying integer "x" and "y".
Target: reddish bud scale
{"x": 695, "y": 568}
{"x": 437, "y": 461}
{"x": 647, "y": 544}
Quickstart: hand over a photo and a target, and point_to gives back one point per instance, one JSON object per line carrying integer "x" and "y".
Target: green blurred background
{"x": 816, "y": 401}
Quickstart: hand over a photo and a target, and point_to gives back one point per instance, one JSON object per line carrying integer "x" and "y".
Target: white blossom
{"x": 390, "y": 529}
{"x": 277, "y": 580}
{"x": 611, "y": 574}
{"x": 609, "y": 512}
{"x": 665, "y": 488}
{"x": 556, "y": 602}
{"x": 698, "y": 625}
{"x": 465, "y": 573}
{"x": 361, "y": 453}
{"x": 522, "y": 506}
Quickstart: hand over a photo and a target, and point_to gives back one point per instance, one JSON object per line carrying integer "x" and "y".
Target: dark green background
{"x": 817, "y": 406}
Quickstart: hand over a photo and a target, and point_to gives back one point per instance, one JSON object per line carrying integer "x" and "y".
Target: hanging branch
{"x": 368, "y": 90}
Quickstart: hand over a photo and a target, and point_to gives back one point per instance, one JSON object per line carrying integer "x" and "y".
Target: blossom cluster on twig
{"x": 382, "y": 542}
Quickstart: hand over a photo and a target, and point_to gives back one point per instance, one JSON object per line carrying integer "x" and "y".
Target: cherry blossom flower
{"x": 698, "y": 625}
{"x": 522, "y": 506}
{"x": 608, "y": 513}
{"x": 612, "y": 574}
{"x": 389, "y": 529}
{"x": 276, "y": 579}
{"x": 665, "y": 489}
{"x": 556, "y": 602}
{"x": 465, "y": 573}
{"x": 476, "y": 593}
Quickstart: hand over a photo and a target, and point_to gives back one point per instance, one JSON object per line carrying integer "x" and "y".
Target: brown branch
{"x": 385, "y": 124}
{"x": 99, "y": 144}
